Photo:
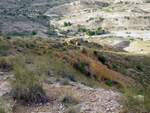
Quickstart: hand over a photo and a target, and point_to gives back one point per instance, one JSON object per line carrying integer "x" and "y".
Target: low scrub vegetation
{"x": 89, "y": 19}
{"x": 136, "y": 100}
{"x": 35, "y": 60}
{"x": 5, "y": 47}
{"x": 2, "y": 110}
{"x": 69, "y": 100}
{"x": 80, "y": 66}
{"x": 73, "y": 110}
{"x": 101, "y": 19}
{"x": 89, "y": 32}
{"x": 5, "y": 64}
{"x": 147, "y": 1}
{"x": 127, "y": 17}
{"x": 130, "y": 65}
{"x": 67, "y": 24}
{"x": 104, "y": 4}
{"x": 112, "y": 83}
{"x": 83, "y": 68}
{"x": 101, "y": 59}
{"x": 27, "y": 87}
{"x": 2, "y": 107}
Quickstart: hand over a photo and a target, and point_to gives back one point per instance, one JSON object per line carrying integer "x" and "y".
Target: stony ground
{"x": 4, "y": 83}
{"x": 91, "y": 100}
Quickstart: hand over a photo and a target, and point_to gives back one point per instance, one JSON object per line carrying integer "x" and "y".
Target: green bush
{"x": 101, "y": 19}
{"x": 90, "y": 33}
{"x": 51, "y": 32}
{"x": 80, "y": 29}
{"x": 34, "y": 33}
{"x": 99, "y": 31}
{"x": 127, "y": 17}
{"x": 80, "y": 67}
{"x": 67, "y": 24}
{"x": 139, "y": 68}
{"x": 26, "y": 87}
{"x": 89, "y": 19}
{"x": 101, "y": 59}
{"x": 112, "y": 83}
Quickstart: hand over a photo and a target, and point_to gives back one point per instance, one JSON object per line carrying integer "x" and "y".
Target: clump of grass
{"x": 2, "y": 110}
{"x": 2, "y": 107}
{"x": 65, "y": 82}
{"x": 5, "y": 45}
{"x": 69, "y": 100}
{"x": 132, "y": 103}
{"x": 5, "y": 48}
{"x": 73, "y": 110}
{"x": 26, "y": 87}
{"x": 5, "y": 65}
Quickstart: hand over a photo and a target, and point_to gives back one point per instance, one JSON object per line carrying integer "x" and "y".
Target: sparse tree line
{"x": 67, "y": 24}
{"x": 89, "y": 32}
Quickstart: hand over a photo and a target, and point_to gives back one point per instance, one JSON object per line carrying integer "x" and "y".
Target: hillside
{"x": 74, "y": 67}
{"x": 126, "y": 21}
{"x": 117, "y": 23}
{"x": 26, "y": 18}
{"x": 74, "y": 56}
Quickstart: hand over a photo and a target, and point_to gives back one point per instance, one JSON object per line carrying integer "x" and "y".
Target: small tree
{"x": 69, "y": 24}
{"x": 65, "y": 24}
{"x": 101, "y": 59}
{"x": 34, "y": 33}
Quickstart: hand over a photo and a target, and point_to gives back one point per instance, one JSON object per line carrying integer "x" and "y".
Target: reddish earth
{"x": 102, "y": 70}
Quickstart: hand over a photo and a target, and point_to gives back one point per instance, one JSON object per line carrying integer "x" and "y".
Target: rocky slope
{"x": 91, "y": 100}
{"x": 91, "y": 74}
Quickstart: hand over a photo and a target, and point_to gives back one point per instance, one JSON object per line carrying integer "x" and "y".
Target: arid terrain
{"x": 127, "y": 22}
{"x": 128, "y": 19}
{"x": 75, "y": 56}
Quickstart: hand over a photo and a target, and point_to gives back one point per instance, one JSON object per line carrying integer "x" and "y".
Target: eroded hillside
{"x": 84, "y": 56}
{"x": 38, "y": 71}
{"x": 121, "y": 23}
